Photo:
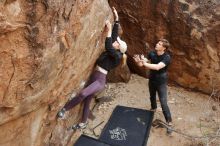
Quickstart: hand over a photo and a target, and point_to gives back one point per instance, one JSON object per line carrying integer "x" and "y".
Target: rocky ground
{"x": 194, "y": 114}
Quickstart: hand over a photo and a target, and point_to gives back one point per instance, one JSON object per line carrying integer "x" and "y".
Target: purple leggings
{"x": 96, "y": 83}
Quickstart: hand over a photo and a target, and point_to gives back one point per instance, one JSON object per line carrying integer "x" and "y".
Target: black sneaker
{"x": 61, "y": 113}
{"x": 169, "y": 129}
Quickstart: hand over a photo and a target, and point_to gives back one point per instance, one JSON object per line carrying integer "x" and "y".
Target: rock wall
{"x": 37, "y": 73}
{"x": 191, "y": 26}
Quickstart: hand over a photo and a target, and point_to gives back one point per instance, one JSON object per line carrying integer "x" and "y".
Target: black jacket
{"x": 111, "y": 57}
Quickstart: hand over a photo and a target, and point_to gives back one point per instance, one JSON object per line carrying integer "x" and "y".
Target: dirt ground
{"x": 193, "y": 113}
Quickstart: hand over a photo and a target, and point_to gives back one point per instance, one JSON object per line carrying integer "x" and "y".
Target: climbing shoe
{"x": 61, "y": 113}
{"x": 79, "y": 126}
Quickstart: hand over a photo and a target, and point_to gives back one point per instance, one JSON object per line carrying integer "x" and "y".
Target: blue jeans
{"x": 161, "y": 89}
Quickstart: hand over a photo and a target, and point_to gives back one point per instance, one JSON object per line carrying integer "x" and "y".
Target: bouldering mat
{"x": 89, "y": 141}
{"x": 127, "y": 127}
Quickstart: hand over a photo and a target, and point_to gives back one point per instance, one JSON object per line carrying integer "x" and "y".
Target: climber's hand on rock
{"x": 115, "y": 13}
{"x": 108, "y": 27}
{"x": 108, "y": 24}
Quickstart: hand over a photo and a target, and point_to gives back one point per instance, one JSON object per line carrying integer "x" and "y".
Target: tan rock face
{"x": 191, "y": 26}
{"x": 119, "y": 74}
{"x": 37, "y": 73}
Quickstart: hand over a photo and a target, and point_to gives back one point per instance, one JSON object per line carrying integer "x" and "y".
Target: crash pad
{"x": 127, "y": 126}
